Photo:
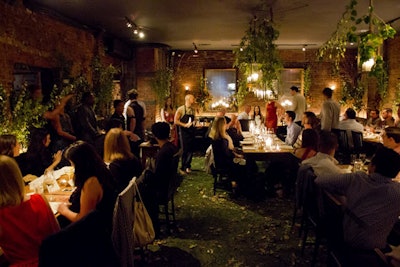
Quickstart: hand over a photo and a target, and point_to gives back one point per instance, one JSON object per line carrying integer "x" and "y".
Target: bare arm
{"x": 130, "y": 113}
{"x": 92, "y": 193}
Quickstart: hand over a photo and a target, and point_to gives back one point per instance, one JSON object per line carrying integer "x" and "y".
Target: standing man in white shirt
{"x": 330, "y": 111}
{"x": 298, "y": 104}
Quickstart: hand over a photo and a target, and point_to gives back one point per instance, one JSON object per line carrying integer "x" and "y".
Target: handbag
{"x": 143, "y": 230}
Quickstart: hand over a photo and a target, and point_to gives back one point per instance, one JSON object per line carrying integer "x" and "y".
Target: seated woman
{"x": 308, "y": 146}
{"x": 235, "y": 131}
{"x": 121, "y": 162}
{"x": 9, "y": 145}
{"x": 224, "y": 153}
{"x": 25, "y": 220}
{"x": 38, "y": 158}
{"x": 95, "y": 186}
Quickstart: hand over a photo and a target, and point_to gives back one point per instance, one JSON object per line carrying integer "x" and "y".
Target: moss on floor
{"x": 220, "y": 231}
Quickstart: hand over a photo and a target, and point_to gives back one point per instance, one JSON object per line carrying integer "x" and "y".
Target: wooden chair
{"x": 343, "y": 152}
{"x": 166, "y": 199}
{"x": 220, "y": 169}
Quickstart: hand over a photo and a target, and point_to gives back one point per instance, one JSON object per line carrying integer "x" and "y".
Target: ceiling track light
{"x": 195, "y": 50}
{"x": 137, "y": 31}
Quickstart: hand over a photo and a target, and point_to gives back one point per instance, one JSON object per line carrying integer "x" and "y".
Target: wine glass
{"x": 49, "y": 180}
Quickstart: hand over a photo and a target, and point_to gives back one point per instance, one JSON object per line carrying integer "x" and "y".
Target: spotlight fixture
{"x": 195, "y": 48}
{"x": 137, "y": 31}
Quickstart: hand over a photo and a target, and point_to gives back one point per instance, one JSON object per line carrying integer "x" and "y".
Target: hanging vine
{"x": 257, "y": 48}
{"x": 369, "y": 43}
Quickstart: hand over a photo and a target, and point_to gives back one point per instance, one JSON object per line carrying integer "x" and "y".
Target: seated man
{"x": 349, "y": 124}
{"x": 372, "y": 200}
{"x": 391, "y": 138}
{"x": 158, "y": 186}
{"x": 324, "y": 162}
{"x": 374, "y": 121}
{"x": 293, "y": 129}
{"x": 387, "y": 117}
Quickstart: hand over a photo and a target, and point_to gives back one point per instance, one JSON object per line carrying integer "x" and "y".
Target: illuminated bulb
{"x": 241, "y": 49}
{"x": 333, "y": 87}
{"x": 135, "y": 31}
{"x": 304, "y": 49}
{"x": 254, "y": 76}
{"x": 196, "y": 51}
{"x": 141, "y": 35}
{"x": 129, "y": 25}
{"x": 187, "y": 87}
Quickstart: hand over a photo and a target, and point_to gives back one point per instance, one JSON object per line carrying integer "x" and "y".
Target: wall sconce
{"x": 332, "y": 86}
{"x": 137, "y": 31}
{"x": 367, "y": 65}
{"x": 187, "y": 87}
{"x": 304, "y": 48}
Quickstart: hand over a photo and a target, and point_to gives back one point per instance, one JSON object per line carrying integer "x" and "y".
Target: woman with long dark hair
{"x": 95, "y": 186}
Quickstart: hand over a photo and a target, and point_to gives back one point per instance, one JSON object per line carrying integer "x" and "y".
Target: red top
{"x": 22, "y": 229}
{"x": 271, "y": 119}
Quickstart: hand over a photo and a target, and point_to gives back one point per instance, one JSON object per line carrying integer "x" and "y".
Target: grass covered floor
{"x": 220, "y": 231}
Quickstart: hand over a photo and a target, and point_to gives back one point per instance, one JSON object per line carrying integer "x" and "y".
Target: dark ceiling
{"x": 213, "y": 24}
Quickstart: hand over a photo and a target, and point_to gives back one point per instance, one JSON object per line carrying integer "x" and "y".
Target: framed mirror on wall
{"x": 221, "y": 85}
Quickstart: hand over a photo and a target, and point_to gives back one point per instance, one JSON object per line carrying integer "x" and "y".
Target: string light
{"x": 137, "y": 31}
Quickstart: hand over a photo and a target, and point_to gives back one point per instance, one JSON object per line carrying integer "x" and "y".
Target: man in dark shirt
{"x": 118, "y": 112}
{"x": 86, "y": 119}
{"x": 135, "y": 115}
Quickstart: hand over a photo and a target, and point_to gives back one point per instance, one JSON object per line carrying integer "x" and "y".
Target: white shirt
{"x": 298, "y": 106}
{"x": 323, "y": 164}
{"x": 243, "y": 116}
{"x": 330, "y": 113}
{"x": 350, "y": 125}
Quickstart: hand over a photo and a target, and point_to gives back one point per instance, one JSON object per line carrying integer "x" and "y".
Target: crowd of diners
{"x": 105, "y": 162}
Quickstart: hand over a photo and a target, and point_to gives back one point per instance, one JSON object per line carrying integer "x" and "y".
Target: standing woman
{"x": 95, "y": 187}
{"x": 271, "y": 117}
{"x": 9, "y": 145}
{"x": 168, "y": 115}
{"x": 24, "y": 220}
{"x": 168, "y": 111}
{"x": 121, "y": 162}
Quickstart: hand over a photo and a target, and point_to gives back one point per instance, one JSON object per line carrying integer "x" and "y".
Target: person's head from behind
{"x": 221, "y": 112}
{"x": 328, "y": 143}
{"x": 385, "y": 162}
{"x": 387, "y": 113}
{"x": 39, "y": 139}
{"x": 289, "y": 116}
{"x": 309, "y": 120}
{"x": 133, "y": 94}
{"x": 86, "y": 161}
{"x": 391, "y": 137}
{"x": 309, "y": 139}
{"x": 350, "y": 114}
{"x": 218, "y": 128}
{"x": 161, "y": 130}
{"x": 87, "y": 98}
{"x": 11, "y": 183}
{"x": 118, "y": 106}
{"x": 327, "y": 92}
{"x": 9, "y": 145}
{"x": 116, "y": 146}
{"x": 294, "y": 90}
{"x": 113, "y": 123}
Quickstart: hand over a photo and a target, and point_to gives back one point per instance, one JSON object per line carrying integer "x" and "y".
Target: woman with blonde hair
{"x": 119, "y": 158}
{"x": 25, "y": 220}
{"x": 223, "y": 150}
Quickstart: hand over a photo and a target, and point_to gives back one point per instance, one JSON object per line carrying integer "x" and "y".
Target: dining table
{"x": 57, "y": 186}
{"x": 262, "y": 147}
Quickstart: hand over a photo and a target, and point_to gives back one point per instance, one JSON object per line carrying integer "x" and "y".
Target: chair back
{"x": 357, "y": 141}
{"x": 245, "y": 124}
{"x": 305, "y": 189}
{"x": 343, "y": 152}
{"x": 221, "y": 161}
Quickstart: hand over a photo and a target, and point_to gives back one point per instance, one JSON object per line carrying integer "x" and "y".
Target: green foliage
{"x": 22, "y": 115}
{"x": 257, "y": 48}
{"x": 307, "y": 80}
{"x": 161, "y": 83}
{"x": 202, "y": 95}
{"x": 352, "y": 95}
{"x": 103, "y": 77}
{"x": 379, "y": 70}
{"x": 346, "y": 32}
